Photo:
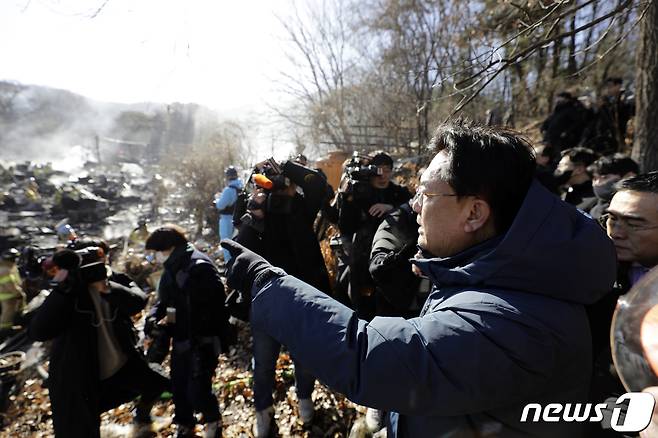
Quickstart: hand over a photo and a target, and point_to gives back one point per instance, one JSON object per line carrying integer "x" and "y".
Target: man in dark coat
{"x": 504, "y": 325}
{"x": 572, "y": 175}
{"x": 362, "y": 206}
{"x": 190, "y": 306}
{"x": 399, "y": 291}
{"x": 281, "y": 230}
{"x": 632, "y": 224}
{"x": 564, "y": 127}
{"x": 606, "y": 172}
{"x": 94, "y": 365}
{"x": 606, "y": 130}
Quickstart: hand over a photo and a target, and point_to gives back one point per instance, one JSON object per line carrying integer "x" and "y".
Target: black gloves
{"x": 245, "y": 267}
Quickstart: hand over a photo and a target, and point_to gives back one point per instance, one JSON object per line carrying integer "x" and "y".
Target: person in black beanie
{"x": 94, "y": 364}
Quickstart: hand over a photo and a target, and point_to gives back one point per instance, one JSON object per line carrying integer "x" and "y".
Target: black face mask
{"x": 562, "y": 178}
{"x": 606, "y": 190}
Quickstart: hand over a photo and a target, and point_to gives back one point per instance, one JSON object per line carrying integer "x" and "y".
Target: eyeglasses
{"x": 628, "y": 224}
{"x": 418, "y": 197}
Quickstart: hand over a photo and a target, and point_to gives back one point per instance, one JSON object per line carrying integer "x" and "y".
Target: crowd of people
{"x": 492, "y": 286}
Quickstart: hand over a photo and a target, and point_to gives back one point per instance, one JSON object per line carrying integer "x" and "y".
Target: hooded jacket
{"x": 504, "y": 326}
{"x": 229, "y": 196}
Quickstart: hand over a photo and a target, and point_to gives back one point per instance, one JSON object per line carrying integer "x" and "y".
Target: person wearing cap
{"x": 94, "y": 364}
{"x": 12, "y": 298}
{"x": 225, "y": 203}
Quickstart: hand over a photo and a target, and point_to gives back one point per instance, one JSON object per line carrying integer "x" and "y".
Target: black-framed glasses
{"x": 629, "y": 224}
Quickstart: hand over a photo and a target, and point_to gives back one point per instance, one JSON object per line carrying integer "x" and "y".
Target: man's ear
{"x": 478, "y": 215}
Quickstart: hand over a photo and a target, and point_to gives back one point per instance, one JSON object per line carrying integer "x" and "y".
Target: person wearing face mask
{"x": 94, "y": 364}
{"x": 190, "y": 307}
{"x": 606, "y": 172}
{"x": 571, "y": 174}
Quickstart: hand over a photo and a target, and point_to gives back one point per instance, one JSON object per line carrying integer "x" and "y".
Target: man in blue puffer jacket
{"x": 504, "y": 326}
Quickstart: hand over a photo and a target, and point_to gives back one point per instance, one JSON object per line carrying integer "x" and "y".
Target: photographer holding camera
{"x": 363, "y": 202}
{"x": 278, "y": 225}
{"x": 94, "y": 365}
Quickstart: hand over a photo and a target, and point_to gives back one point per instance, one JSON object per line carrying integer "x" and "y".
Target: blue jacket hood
{"x": 551, "y": 249}
{"x": 237, "y": 183}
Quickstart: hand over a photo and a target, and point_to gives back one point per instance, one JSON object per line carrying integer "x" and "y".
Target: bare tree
{"x": 200, "y": 168}
{"x": 320, "y": 63}
{"x": 645, "y": 148}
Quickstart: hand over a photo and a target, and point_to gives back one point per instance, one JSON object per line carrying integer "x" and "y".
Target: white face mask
{"x": 161, "y": 257}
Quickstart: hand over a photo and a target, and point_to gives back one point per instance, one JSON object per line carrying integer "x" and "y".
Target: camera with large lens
{"x": 92, "y": 265}
{"x": 363, "y": 172}
{"x": 270, "y": 179}
{"x": 359, "y": 171}
{"x": 84, "y": 265}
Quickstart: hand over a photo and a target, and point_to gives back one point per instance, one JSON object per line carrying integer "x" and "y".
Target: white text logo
{"x": 638, "y": 414}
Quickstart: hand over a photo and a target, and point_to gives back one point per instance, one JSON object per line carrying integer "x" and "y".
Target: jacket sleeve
{"x": 329, "y": 208}
{"x": 204, "y": 284}
{"x": 159, "y": 308}
{"x": 444, "y": 363}
{"x": 402, "y": 196}
{"x": 129, "y": 300}
{"x": 53, "y": 317}
{"x": 392, "y": 247}
{"x": 311, "y": 182}
{"x": 228, "y": 197}
{"x": 349, "y": 214}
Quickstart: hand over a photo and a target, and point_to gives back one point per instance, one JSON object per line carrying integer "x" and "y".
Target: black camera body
{"x": 363, "y": 172}
{"x": 84, "y": 265}
{"x": 271, "y": 179}
{"x": 358, "y": 172}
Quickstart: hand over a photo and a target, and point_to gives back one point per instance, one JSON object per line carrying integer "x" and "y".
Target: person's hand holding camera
{"x": 67, "y": 277}
{"x": 256, "y": 204}
{"x": 379, "y": 210}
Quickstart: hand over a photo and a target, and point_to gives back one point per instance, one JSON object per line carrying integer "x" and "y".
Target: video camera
{"x": 270, "y": 179}
{"x": 359, "y": 171}
{"x": 85, "y": 264}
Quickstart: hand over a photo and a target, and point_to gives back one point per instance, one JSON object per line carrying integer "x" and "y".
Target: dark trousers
{"x": 134, "y": 379}
{"x": 192, "y": 370}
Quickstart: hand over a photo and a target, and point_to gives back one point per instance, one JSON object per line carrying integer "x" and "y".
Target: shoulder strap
{"x": 184, "y": 274}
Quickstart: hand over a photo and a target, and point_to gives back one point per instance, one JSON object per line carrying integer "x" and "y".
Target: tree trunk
{"x": 572, "y": 67}
{"x": 645, "y": 147}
